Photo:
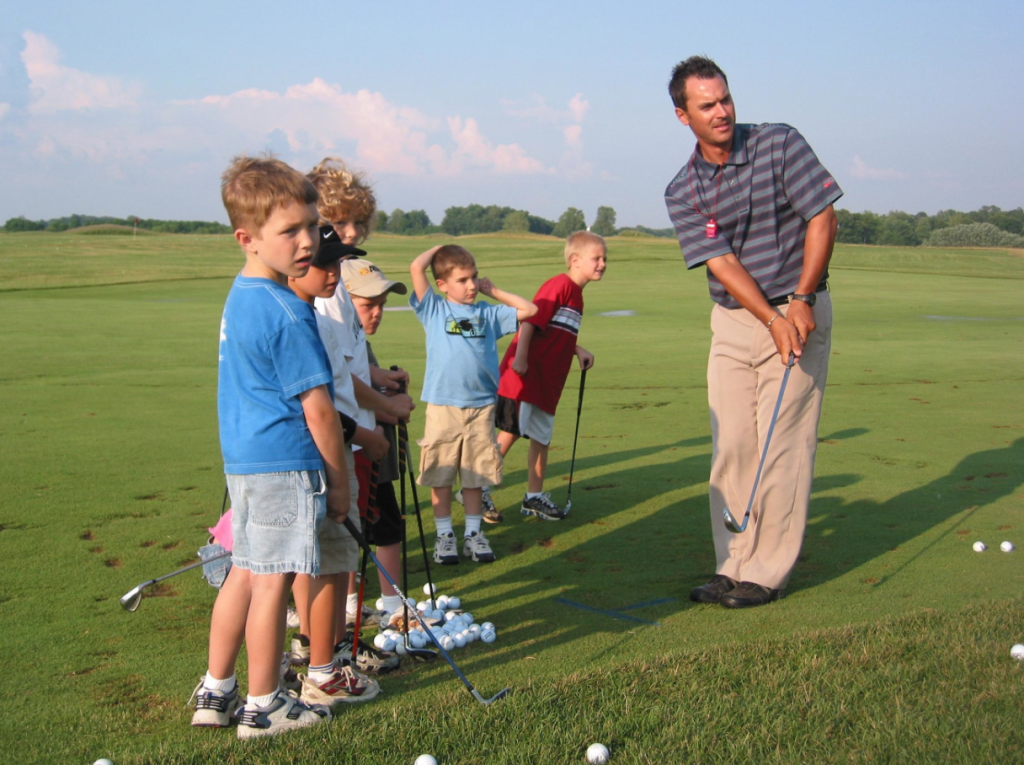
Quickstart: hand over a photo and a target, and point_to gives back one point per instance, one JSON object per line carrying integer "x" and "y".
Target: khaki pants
{"x": 744, "y": 376}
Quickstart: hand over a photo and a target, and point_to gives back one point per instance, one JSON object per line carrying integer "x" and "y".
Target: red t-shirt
{"x": 559, "y": 311}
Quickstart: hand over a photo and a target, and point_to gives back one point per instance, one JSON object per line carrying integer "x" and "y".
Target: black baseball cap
{"x": 333, "y": 249}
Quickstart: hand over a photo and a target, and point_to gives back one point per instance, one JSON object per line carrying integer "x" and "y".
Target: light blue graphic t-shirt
{"x": 270, "y": 353}
{"x": 462, "y": 349}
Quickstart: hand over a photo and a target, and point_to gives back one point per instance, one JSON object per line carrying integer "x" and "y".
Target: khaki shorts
{"x": 339, "y": 551}
{"x": 459, "y": 443}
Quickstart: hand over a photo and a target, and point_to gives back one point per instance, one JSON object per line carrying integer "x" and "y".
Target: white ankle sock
{"x": 472, "y": 524}
{"x": 392, "y": 603}
{"x": 261, "y": 701}
{"x": 213, "y": 684}
{"x": 444, "y": 526}
{"x": 533, "y": 494}
{"x": 320, "y": 675}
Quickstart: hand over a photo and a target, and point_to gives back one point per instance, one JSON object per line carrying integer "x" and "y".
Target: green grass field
{"x": 892, "y": 644}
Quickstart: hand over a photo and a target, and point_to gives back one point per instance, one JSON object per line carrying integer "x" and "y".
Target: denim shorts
{"x": 276, "y": 519}
{"x": 339, "y": 552}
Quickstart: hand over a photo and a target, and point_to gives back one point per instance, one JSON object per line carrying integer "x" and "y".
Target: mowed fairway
{"x": 892, "y": 644}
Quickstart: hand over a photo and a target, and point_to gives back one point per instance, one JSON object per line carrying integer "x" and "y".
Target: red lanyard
{"x": 711, "y": 229}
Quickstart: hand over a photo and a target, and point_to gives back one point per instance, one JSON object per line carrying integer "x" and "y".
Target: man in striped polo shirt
{"x": 754, "y": 206}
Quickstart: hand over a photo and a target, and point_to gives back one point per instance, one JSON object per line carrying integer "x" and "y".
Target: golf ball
{"x": 459, "y": 639}
{"x": 450, "y": 616}
{"x": 454, "y": 602}
{"x": 379, "y": 605}
{"x": 474, "y": 630}
{"x": 441, "y": 601}
{"x": 1006, "y": 546}
{"x": 1017, "y": 652}
{"x": 400, "y": 648}
{"x": 597, "y": 754}
{"x": 467, "y": 617}
{"x": 446, "y": 642}
{"x": 488, "y": 635}
{"x": 425, "y": 759}
{"x": 379, "y": 640}
{"x": 103, "y": 761}
{"x": 487, "y": 626}
{"x": 389, "y": 644}
{"x": 422, "y": 606}
{"x": 429, "y": 589}
{"x": 980, "y": 546}
{"x": 469, "y": 635}
{"x": 417, "y": 639}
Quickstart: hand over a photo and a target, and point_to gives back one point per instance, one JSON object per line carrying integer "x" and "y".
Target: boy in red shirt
{"x": 537, "y": 363}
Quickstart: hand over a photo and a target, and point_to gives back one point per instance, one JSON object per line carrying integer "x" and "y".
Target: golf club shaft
{"x": 371, "y": 503}
{"x": 362, "y": 543}
{"x": 576, "y": 438}
{"x": 189, "y": 567}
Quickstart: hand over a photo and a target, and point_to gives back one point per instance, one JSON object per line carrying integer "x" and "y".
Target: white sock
{"x": 533, "y": 494}
{"x": 472, "y": 524}
{"x": 444, "y": 526}
{"x": 321, "y": 675}
{"x": 392, "y": 603}
{"x": 261, "y": 701}
{"x": 211, "y": 683}
{"x": 352, "y": 602}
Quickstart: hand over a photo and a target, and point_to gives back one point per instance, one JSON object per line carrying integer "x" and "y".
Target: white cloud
{"x": 4, "y": 109}
{"x": 505, "y": 158}
{"x": 578, "y": 106}
{"x": 572, "y": 135}
{"x": 860, "y": 169}
{"x": 54, "y": 87}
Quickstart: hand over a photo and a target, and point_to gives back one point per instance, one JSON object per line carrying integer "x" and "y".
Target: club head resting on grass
{"x": 131, "y": 599}
{"x": 487, "y": 702}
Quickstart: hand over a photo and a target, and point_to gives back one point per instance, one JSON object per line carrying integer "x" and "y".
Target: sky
{"x": 118, "y": 108}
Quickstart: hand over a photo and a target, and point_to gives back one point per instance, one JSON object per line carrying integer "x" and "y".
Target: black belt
{"x": 822, "y": 287}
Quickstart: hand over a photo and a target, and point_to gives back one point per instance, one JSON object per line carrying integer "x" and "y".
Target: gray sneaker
{"x": 214, "y": 709}
{"x": 477, "y": 547}
{"x": 445, "y": 551}
{"x": 285, "y": 712}
{"x": 542, "y": 507}
{"x": 490, "y": 513}
{"x": 368, "y": 659}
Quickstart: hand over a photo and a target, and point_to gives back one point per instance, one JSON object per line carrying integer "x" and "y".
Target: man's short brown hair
{"x": 344, "y": 195}
{"x": 450, "y": 257}
{"x": 253, "y": 187}
{"x": 701, "y": 67}
{"x": 579, "y": 242}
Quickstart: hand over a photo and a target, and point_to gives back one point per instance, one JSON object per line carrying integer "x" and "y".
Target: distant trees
{"x": 517, "y": 221}
{"x": 571, "y": 220}
{"x": 149, "y": 224}
{"x": 15, "y": 225}
{"x": 974, "y": 235}
{"x": 902, "y": 229}
{"x": 604, "y": 223}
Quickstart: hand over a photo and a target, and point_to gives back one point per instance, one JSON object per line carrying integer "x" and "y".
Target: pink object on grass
{"x": 222, "y": 531}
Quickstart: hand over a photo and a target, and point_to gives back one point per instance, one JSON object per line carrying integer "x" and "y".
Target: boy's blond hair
{"x": 344, "y": 195}
{"x": 253, "y": 187}
{"x": 450, "y": 257}
{"x": 579, "y": 242}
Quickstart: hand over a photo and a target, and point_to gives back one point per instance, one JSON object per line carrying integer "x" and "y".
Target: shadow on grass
{"x": 841, "y": 536}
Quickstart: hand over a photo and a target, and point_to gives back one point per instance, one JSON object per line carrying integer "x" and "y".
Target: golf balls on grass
{"x": 488, "y": 635}
{"x": 379, "y": 640}
{"x": 446, "y": 642}
{"x": 467, "y": 617}
{"x": 389, "y": 644}
{"x": 425, "y": 759}
{"x": 429, "y": 589}
{"x": 1017, "y": 652}
{"x": 459, "y": 639}
{"x": 980, "y": 546}
{"x": 441, "y": 601}
{"x": 597, "y": 754}
{"x": 1006, "y": 547}
{"x": 417, "y": 639}
{"x": 454, "y": 602}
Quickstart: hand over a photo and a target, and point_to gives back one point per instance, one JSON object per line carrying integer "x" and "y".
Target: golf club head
{"x": 487, "y": 702}
{"x": 423, "y": 655}
{"x": 568, "y": 507}
{"x": 131, "y": 599}
{"x": 731, "y": 524}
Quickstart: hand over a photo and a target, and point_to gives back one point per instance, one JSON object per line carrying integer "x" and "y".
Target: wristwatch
{"x": 809, "y": 299}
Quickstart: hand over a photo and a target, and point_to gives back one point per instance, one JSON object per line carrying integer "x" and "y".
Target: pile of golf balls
{"x": 452, "y": 627}
{"x": 597, "y": 754}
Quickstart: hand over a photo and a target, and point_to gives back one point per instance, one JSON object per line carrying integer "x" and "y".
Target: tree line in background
{"x": 988, "y": 226}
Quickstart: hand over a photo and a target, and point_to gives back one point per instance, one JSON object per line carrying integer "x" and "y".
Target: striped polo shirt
{"x": 761, "y": 198}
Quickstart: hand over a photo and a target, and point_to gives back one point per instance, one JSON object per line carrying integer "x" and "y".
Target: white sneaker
{"x": 285, "y": 712}
{"x": 477, "y": 547}
{"x": 488, "y": 511}
{"x": 299, "y": 654}
{"x": 214, "y": 709}
{"x": 291, "y": 619}
{"x": 445, "y": 551}
{"x": 346, "y": 685}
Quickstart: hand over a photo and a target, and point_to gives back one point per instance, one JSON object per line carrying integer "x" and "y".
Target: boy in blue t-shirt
{"x": 460, "y": 387}
{"x": 282, "y": 443}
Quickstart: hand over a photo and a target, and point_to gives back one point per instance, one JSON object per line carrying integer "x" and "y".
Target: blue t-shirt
{"x": 462, "y": 349}
{"x": 270, "y": 353}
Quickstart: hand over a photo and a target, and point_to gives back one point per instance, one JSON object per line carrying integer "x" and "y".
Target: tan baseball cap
{"x": 363, "y": 279}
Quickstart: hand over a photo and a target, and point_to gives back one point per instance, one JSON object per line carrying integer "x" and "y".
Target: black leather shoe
{"x": 749, "y": 594}
{"x": 713, "y": 591}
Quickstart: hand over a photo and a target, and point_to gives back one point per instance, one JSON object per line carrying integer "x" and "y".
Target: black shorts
{"x": 506, "y": 416}
{"x": 388, "y": 528}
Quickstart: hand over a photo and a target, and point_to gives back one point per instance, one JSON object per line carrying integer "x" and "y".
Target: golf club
{"x": 576, "y": 438}
{"x": 130, "y": 600}
{"x": 371, "y": 503}
{"x": 404, "y": 461}
{"x": 469, "y": 686}
{"x": 730, "y": 522}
